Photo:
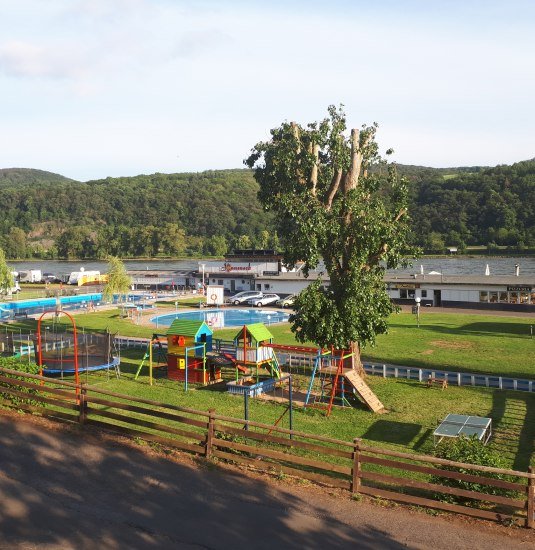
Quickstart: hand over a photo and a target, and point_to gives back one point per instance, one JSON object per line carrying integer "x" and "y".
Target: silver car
{"x": 264, "y": 300}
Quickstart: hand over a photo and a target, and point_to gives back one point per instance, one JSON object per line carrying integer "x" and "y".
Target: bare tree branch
{"x": 333, "y": 188}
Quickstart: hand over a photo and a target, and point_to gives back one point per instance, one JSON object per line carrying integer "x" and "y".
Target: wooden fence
{"x": 353, "y": 466}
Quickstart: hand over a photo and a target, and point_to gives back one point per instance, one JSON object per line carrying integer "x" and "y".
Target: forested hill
{"x": 10, "y": 177}
{"x": 47, "y": 215}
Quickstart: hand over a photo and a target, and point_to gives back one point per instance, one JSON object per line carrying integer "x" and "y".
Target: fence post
{"x": 209, "y": 433}
{"x": 82, "y": 404}
{"x": 530, "y": 520}
{"x": 355, "y": 481}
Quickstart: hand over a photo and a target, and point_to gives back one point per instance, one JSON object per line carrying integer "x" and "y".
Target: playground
{"x": 413, "y": 408}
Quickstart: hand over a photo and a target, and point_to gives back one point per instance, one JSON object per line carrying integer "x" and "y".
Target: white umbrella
{"x": 487, "y": 270}
{"x": 421, "y": 269}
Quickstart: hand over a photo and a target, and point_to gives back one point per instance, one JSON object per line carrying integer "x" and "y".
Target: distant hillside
{"x": 45, "y": 214}
{"x": 22, "y": 176}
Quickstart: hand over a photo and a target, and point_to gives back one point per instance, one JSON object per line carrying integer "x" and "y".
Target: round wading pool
{"x": 220, "y": 318}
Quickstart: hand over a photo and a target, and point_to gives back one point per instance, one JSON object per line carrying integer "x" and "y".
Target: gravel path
{"x": 63, "y": 489}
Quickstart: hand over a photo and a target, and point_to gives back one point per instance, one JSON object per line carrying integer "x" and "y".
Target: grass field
{"x": 473, "y": 343}
{"x": 413, "y": 410}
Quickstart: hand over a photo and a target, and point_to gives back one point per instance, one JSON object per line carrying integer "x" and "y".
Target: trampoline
{"x": 93, "y": 352}
{"x": 456, "y": 425}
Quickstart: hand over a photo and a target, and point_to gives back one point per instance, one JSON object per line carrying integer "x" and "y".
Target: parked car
{"x": 286, "y": 302}
{"x": 244, "y": 296}
{"x": 264, "y": 300}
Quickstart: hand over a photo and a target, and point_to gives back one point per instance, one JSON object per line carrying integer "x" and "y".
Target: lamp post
{"x": 202, "y": 267}
{"x": 417, "y": 300}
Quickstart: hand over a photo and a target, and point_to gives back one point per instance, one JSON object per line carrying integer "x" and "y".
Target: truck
{"x": 76, "y": 276}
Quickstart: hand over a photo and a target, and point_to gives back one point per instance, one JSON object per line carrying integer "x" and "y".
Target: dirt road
{"x": 63, "y": 489}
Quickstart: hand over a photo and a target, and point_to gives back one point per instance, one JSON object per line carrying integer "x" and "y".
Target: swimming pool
{"x": 220, "y": 318}
{"x": 39, "y": 305}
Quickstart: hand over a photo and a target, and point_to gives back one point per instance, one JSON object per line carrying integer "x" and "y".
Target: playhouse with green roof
{"x": 187, "y": 344}
{"x": 253, "y": 350}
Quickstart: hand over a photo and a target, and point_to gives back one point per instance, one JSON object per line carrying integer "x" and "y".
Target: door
{"x": 437, "y": 297}
{"x": 232, "y": 285}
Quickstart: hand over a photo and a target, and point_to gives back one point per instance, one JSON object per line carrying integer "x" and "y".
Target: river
{"x": 446, "y": 266}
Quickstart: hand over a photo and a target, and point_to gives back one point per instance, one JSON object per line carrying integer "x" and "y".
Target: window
{"x": 403, "y": 293}
{"x": 424, "y": 293}
{"x": 533, "y": 298}
{"x": 483, "y": 296}
{"x": 412, "y": 293}
{"x": 258, "y": 287}
{"x": 493, "y": 297}
{"x": 524, "y": 298}
{"x": 513, "y": 297}
{"x": 220, "y": 282}
{"x": 266, "y": 287}
{"x": 503, "y": 297}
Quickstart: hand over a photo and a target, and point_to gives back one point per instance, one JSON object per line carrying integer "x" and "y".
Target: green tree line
{"x": 210, "y": 213}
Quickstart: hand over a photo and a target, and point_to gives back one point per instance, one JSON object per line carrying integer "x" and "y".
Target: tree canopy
{"x": 6, "y": 276}
{"x": 331, "y": 207}
{"x": 119, "y": 282}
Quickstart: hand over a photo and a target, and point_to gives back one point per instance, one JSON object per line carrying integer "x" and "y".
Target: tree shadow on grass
{"x": 79, "y": 490}
{"x": 390, "y": 431}
{"x": 513, "y": 417}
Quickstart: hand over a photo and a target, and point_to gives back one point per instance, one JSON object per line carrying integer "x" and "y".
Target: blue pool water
{"x": 220, "y": 318}
{"x": 30, "y": 307}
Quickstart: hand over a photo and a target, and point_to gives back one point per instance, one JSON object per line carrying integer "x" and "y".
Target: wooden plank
{"x": 282, "y": 441}
{"x": 38, "y": 387}
{"x": 145, "y": 423}
{"x": 278, "y": 429}
{"x": 40, "y": 399}
{"x": 272, "y": 468}
{"x": 443, "y": 473}
{"x": 428, "y": 503}
{"x": 276, "y": 455}
{"x": 404, "y": 483}
{"x": 148, "y": 412}
{"x": 132, "y": 432}
{"x": 444, "y": 462}
{"x": 41, "y": 411}
{"x": 38, "y": 377}
{"x": 98, "y": 390}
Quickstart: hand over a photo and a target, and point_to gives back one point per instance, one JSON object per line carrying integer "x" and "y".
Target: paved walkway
{"x": 61, "y": 489}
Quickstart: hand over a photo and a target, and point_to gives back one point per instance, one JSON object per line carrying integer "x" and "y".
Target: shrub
{"x": 21, "y": 366}
{"x": 471, "y": 451}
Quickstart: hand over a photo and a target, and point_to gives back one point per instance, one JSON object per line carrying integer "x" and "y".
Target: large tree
{"x": 336, "y": 201}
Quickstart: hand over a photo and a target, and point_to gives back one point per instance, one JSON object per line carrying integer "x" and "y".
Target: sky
{"x": 98, "y": 88}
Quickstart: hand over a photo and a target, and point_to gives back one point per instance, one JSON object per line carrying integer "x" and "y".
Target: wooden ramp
{"x": 363, "y": 391}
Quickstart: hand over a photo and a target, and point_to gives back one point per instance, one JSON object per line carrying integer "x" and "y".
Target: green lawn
{"x": 413, "y": 410}
{"x": 444, "y": 341}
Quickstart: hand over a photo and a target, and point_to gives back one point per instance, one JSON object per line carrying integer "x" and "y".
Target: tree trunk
{"x": 356, "y": 363}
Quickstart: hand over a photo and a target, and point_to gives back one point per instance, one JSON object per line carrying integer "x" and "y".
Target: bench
{"x": 442, "y": 382}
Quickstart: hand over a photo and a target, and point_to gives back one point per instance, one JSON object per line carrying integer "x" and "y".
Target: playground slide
{"x": 245, "y": 370}
{"x": 363, "y": 391}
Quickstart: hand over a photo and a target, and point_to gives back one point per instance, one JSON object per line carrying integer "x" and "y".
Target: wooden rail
{"x": 487, "y": 493}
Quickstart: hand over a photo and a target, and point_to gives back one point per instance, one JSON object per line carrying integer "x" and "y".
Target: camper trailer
{"x": 30, "y": 276}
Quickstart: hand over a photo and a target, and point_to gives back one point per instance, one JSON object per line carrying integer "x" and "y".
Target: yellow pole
{"x": 150, "y": 362}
